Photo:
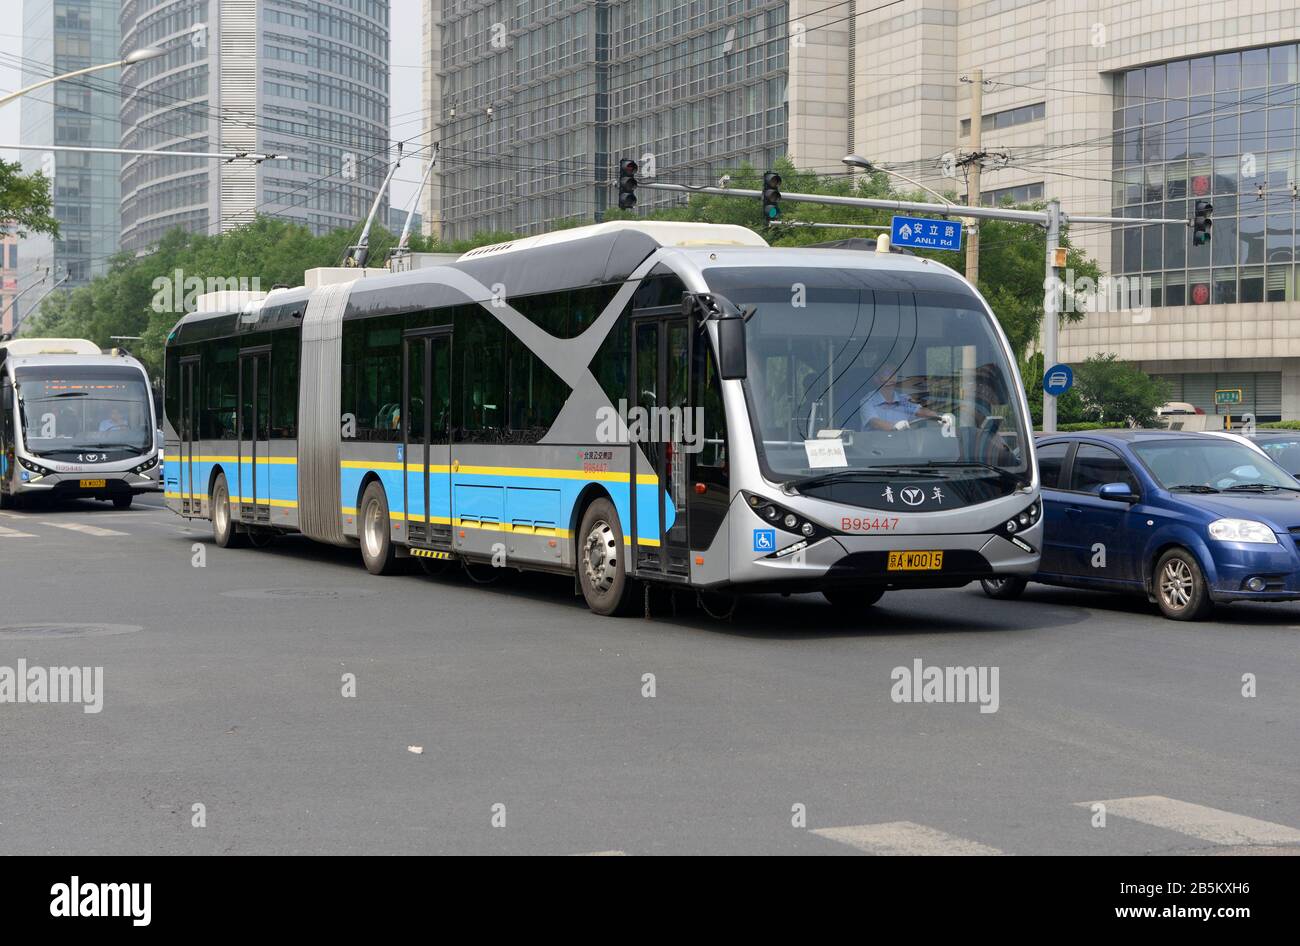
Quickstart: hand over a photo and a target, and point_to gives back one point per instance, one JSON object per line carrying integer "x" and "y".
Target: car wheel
{"x": 1181, "y": 591}
{"x": 602, "y": 561}
{"x": 1004, "y": 589}
{"x": 224, "y": 531}
{"x": 122, "y": 502}
{"x": 847, "y": 599}
{"x": 376, "y": 532}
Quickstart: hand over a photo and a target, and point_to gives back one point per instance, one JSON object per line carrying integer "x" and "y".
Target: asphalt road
{"x": 222, "y": 687}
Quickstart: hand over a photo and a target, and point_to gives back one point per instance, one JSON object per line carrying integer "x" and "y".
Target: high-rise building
{"x": 1129, "y": 110}
{"x": 535, "y": 101}
{"x": 308, "y": 80}
{"x": 60, "y": 37}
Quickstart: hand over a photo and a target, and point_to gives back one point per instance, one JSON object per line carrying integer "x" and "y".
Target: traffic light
{"x": 771, "y": 196}
{"x": 1201, "y": 223}
{"x": 627, "y": 184}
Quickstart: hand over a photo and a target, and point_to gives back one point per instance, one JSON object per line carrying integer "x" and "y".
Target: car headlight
{"x": 1242, "y": 530}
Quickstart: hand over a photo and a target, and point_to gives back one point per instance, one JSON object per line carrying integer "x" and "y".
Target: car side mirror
{"x": 1118, "y": 493}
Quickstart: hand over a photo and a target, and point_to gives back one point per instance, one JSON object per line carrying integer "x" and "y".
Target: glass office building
{"x": 537, "y": 100}
{"x": 308, "y": 80}
{"x": 1216, "y": 128}
{"x": 61, "y": 37}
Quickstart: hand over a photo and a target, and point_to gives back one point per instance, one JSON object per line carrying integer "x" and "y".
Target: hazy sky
{"x": 405, "y": 23}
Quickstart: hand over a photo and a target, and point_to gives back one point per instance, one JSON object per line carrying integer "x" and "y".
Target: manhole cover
{"x": 320, "y": 594}
{"x": 20, "y": 632}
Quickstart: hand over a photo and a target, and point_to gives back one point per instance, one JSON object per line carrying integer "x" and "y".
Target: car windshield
{"x": 844, "y": 376}
{"x": 1285, "y": 452}
{"x": 1210, "y": 463}
{"x": 82, "y": 407}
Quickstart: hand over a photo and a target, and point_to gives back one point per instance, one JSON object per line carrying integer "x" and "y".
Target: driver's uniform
{"x": 890, "y": 410}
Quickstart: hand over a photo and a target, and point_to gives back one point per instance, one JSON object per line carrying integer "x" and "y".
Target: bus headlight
{"x": 146, "y": 466}
{"x": 785, "y": 518}
{"x": 1242, "y": 530}
{"x": 34, "y": 467}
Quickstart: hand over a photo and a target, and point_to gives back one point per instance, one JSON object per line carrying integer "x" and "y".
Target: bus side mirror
{"x": 731, "y": 321}
{"x": 731, "y": 349}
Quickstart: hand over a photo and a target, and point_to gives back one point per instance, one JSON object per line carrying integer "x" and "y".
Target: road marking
{"x": 79, "y": 527}
{"x": 14, "y": 534}
{"x": 904, "y": 837}
{"x": 1199, "y": 821}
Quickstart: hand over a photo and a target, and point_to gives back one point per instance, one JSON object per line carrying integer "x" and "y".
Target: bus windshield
{"x": 76, "y": 408}
{"x": 844, "y": 376}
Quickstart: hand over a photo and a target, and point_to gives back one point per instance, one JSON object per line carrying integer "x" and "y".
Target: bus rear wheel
{"x": 602, "y": 561}
{"x": 224, "y": 531}
{"x": 376, "y": 532}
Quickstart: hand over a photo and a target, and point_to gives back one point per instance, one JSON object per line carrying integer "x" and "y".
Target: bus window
{"x": 284, "y": 385}
{"x": 480, "y": 339}
{"x": 220, "y": 391}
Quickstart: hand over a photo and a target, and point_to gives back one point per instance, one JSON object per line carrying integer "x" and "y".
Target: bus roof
{"x": 554, "y": 262}
{"x": 16, "y": 347}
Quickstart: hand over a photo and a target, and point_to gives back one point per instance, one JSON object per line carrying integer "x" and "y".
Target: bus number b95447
{"x": 869, "y": 524}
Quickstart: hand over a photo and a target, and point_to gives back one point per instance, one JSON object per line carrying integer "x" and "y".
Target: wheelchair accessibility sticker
{"x": 764, "y": 540}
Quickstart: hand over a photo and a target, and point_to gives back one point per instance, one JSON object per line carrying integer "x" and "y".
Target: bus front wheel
{"x": 122, "y": 502}
{"x": 376, "y": 532}
{"x": 602, "y": 561}
{"x": 224, "y": 531}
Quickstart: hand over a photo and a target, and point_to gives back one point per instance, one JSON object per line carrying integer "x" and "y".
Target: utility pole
{"x": 1052, "y": 220}
{"x": 1052, "y": 306}
{"x": 973, "y": 191}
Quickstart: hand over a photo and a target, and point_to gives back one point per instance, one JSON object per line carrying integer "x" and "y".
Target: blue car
{"x": 1189, "y": 520}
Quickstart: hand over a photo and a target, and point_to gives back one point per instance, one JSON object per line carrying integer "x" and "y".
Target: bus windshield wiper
{"x": 1005, "y": 475}
{"x": 863, "y": 474}
{"x": 1191, "y": 488}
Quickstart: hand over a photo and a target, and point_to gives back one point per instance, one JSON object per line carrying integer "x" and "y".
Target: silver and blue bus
{"x": 75, "y": 422}
{"x": 629, "y": 403}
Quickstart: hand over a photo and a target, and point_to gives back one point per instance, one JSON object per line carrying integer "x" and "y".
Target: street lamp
{"x": 857, "y": 161}
{"x": 131, "y": 58}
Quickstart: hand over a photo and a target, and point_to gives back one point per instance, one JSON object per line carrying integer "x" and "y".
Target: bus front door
{"x": 255, "y": 435}
{"x": 661, "y": 358}
{"x": 191, "y": 498}
{"x": 426, "y": 427}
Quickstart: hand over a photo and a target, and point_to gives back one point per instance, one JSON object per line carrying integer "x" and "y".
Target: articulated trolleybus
{"x": 74, "y": 421}
{"x": 629, "y": 403}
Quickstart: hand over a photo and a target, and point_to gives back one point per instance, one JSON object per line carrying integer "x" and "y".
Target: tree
{"x": 1114, "y": 392}
{"x": 25, "y": 201}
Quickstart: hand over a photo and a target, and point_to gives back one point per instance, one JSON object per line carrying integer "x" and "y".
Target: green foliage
{"x": 25, "y": 201}
{"x": 1281, "y": 425}
{"x": 1106, "y": 393}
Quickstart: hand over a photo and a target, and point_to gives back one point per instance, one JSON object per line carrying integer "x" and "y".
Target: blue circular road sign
{"x": 1058, "y": 379}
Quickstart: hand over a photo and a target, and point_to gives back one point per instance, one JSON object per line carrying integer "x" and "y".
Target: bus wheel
{"x": 122, "y": 502}
{"x": 224, "y": 531}
{"x": 602, "y": 561}
{"x": 846, "y": 599}
{"x": 376, "y": 532}
{"x": 1180, "y": 587}
{"x": 1004, "y": 589}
